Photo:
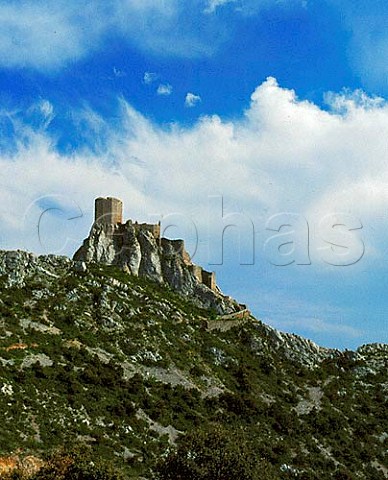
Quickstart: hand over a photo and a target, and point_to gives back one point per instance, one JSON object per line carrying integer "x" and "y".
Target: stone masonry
{"x": 140, "y": 249}
{"x": 108, "y": 211}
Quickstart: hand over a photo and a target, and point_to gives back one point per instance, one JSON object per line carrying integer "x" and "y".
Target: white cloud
{"x": 42, "y": 113}
{"x": 251, "y": 7}
{"x": 49, "y": 35}
{"x": 317, "y": 325}
{"x": 164, "y": 90}
{"x": 149, "y": 78}
{"x": 192, "y": 100}
{"x": 214, "y": 4}
{"x": 292, "y": 313}
{"x": 46, "y": 108}
{"x": 118, "y": 73}
{"x": 283, "y": 155}
{"x": 44, "y": 35}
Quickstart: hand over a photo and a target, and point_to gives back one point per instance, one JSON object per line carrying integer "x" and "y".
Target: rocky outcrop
{"x": 296, "y": 348}
{"x": 20, "y": 269}
{"x": 164, "y": 261}
{"x": 17, "y": 267}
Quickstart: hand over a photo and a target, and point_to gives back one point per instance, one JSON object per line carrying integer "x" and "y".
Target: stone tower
{"x": 139, "y": 249}
{"x": 108, "y": 211}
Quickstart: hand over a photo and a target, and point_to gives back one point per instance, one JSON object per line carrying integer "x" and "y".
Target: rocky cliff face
{"x": 139, "y": 253}
{"x": 17, "y": 267}
{"x": 20, "y": 268}
{"x": 123, "y": 366}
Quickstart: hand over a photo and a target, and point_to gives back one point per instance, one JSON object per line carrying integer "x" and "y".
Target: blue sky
{"x": 277, "y": 106}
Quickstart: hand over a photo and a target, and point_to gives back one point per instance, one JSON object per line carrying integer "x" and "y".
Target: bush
{"x": 215, "y": 453}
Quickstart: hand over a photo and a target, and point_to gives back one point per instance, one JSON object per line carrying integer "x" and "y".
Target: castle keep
{"x": 108, "y": 211}
{"x": 109, "y": 215}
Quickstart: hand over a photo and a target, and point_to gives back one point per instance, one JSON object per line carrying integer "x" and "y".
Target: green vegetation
{"x": 125, "y": 369}
{"x": 214, "y": 453}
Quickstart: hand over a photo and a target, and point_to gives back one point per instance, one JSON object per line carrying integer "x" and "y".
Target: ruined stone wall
{"x": 227, "y": 322}
{"x": 178, "y": 248}
{"x": 209, "y": 279}
{"x": 146, "y": 227}
{"x": 197, "y": 271}
{"x": 108, "y": 211}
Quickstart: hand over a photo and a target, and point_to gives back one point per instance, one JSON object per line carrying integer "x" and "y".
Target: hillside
{"x": 96, "y": 359}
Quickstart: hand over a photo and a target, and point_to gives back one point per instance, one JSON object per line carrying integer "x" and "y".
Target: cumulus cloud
{"x": 164, "y": 90}
{"x": 192, "y": 100}
{"x": 282, "y": 155}
{"x": 288, "y": 155}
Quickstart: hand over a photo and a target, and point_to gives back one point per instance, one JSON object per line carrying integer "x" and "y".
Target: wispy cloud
{"x": 150, "y": 77}
{"x": 214, "y": 4}
{"x": 42, "y": 35}
{"x": 368, "y": 47}
{"x": 164, "y": 90}
{"x": 192, "y": 100}
{"x": 49, "y": 35}
{"x": 281, "y": 155}
{"x": 291, "y": 313}
{"x": 42, "y": 113}
{"x": 118, "y": 73}
{"x": 289, "y": 155}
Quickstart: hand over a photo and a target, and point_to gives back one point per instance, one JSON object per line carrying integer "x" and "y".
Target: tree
{"x": 214, "y": 453}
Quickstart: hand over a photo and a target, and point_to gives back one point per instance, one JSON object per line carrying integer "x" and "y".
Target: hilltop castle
{"x": 141, "y": 250}
{"x": 108, "y": 216}
{"x": 109, "y": 211}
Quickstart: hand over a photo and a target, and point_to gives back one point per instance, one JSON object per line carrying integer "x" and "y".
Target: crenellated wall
{"x": 207, "y": 278}
{"x": 147, "y": 227}
{"x": 109, "y": 213}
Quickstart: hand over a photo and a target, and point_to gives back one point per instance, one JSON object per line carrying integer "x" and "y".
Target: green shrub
{"x": 214, "y": 453}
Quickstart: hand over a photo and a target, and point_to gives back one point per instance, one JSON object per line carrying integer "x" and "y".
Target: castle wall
{"x": 227, "y": 322}
{"x": 197, "y": 271}
{"x": 178, "y": 248}
{"x": 146, "y": 227}
{"x": 209, "y": 279}
{"x": 108, "y": 211}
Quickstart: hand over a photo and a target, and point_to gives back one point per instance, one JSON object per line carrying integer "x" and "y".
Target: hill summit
{"x": 140, "y": 250}
{"x": 110, "y": 373}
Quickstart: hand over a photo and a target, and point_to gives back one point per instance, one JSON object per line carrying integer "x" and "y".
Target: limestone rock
{"x": 296, "y": 348}
{"x": 138, "y": 251}
{"x": 17, "y": 266}
{"x": 150, "y": 264}
{"x": 14, "y": 266}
